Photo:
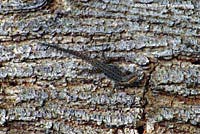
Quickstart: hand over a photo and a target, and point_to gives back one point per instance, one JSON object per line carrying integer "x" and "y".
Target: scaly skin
{"x": 111, "y": 71}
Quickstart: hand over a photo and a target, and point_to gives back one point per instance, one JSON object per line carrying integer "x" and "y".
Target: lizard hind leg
{"x": 111, "y": 71}
{"x": 116, "y": 69}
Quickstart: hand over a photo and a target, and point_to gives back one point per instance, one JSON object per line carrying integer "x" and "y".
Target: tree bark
{"x": 43, "y": 90}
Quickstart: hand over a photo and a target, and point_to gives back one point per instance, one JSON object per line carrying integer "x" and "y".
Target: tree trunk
{"x": 43, "y": 90}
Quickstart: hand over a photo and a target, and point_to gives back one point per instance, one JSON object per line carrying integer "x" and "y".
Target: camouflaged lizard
{"x": 111, "y": 71}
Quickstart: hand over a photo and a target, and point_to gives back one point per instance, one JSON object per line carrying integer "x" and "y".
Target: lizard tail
{"x": 66, "y": 50}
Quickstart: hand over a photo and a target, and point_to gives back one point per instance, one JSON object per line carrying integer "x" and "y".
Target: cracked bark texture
{"x": 46, "y": 91}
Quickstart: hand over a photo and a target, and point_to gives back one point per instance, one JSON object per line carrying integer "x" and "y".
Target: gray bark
{"x": 43, "y": 90}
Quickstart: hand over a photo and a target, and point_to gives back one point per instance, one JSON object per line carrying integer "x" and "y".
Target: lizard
{"x": 109, "y": 70}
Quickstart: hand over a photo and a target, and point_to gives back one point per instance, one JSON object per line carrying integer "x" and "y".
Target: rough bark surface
{"x": 43, "y": 90}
